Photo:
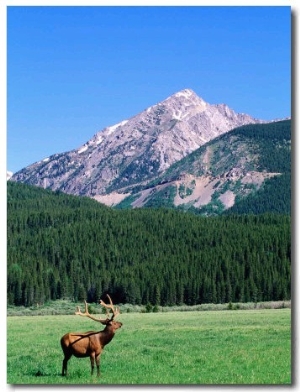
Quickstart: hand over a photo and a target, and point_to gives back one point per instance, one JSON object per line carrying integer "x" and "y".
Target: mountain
{"x": 246, "y": 170}
{"x": 249, "y": 167}
{"x": 136, "y": 151}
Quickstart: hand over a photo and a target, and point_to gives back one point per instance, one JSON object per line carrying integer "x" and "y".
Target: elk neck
{"x": 107, "y": 334}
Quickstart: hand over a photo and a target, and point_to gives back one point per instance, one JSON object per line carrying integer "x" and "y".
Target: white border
{"x": 3, "y": 5}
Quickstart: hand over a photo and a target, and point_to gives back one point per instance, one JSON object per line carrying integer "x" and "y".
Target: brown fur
{"x": 87, "y": 344}
{"x": 91, "y": 343}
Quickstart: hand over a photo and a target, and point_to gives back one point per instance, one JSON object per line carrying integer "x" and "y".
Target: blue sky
{"x": 71, "y": 71}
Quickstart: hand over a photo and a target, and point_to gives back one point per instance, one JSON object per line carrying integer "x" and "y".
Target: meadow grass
{"x": 215, "y": 347}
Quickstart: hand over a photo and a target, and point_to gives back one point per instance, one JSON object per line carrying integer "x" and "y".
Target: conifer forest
{"x": 69, "y": 247}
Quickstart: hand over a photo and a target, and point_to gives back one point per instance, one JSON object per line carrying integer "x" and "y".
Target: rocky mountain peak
{"x": 186, "y": 94}
{"x": 182, "y": 102}
{"x": 135, "y": 150}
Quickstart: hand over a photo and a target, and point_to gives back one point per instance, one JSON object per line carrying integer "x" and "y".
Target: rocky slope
{"x": 135, "y": 151}
{"x": 224, "y": 170}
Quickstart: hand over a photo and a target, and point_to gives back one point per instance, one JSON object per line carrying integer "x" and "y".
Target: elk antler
{"x": 86, "y": 314}
{"x": 110, "y": 306}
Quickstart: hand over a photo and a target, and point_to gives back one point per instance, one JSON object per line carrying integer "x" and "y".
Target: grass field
{"x": 214, "y": 347}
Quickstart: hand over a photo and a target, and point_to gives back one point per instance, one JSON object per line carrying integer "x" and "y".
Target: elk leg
{"x": 98, "y": 365}
{"x": 65, "y": 365}
{"x": 92, "y": 358}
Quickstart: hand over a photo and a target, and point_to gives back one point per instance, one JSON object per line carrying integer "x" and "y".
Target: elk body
{"x": 91, "y": 343}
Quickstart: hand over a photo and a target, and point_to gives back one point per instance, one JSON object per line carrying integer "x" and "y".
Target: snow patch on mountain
{"x": 186, "y": 93}
{"x": 82, "y": 149}
{"x": 116, "y": 126}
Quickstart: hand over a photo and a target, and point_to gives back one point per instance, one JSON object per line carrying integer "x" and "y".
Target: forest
{"x": 62, "y": 246}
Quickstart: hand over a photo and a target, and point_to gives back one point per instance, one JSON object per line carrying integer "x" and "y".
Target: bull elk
{"x": 91, "y": 343}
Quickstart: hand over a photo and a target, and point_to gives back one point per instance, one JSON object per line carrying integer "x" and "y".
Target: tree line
{"x": 62, "y": 246}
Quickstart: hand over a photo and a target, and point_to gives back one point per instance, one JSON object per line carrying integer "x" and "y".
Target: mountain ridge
{"x": 135, "y": 150}
{"x": 224, "y": 171}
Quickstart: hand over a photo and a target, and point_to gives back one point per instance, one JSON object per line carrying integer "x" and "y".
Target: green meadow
{"x": 213, "y": 347}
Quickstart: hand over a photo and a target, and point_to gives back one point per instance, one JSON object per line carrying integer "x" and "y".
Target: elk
{"x": 91, "y": 343}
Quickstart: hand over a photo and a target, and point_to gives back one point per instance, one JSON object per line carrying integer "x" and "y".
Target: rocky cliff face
{"x": 136, "y": 150}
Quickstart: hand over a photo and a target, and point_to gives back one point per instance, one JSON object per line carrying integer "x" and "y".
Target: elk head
{"x": 108, "y": 321}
